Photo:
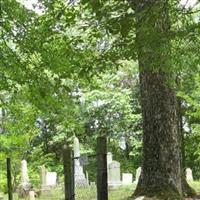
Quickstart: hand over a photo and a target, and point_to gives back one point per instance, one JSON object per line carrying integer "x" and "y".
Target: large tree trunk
{"x": 161, "y": 172}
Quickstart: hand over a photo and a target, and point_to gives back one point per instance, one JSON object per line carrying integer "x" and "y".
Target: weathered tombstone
{"x": 114, "y": 178}
{"x": 51, "y": 179}
{"x": 109, "y": 158}
{"x": 127, "y": 178}
{"x": 48, "y": 180}
{"x": 189, "y": 176}
{"x": 79, "y": 176}
{"x": 25, "y": 185}
{"x": 43, "y": 172}
{"x": 24, "y": 173}
{"x": 44, "y": 187}
{"x": 137, "y": 176}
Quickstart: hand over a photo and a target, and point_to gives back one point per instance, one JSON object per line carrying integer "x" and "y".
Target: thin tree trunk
{"x": 161, "y": 172}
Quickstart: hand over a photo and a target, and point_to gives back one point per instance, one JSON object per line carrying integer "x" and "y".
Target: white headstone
{"x": 189, "y": 176}
{"x": 127, "y": 178}
{"x": 51, "y": 178}
{"x": 76, "y": 150}
{"x": 24, "y": 173}
{"x": 25, "y": 185}
{"x": 80, "y": 179}
{"x": 114, "y": 178}
{"x": 43, "y": 172}
{"x": 109, "y": 158}
{"x": 137, "y": 176}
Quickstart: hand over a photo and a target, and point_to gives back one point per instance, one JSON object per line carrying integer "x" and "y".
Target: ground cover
{"x": 123, "y": 193}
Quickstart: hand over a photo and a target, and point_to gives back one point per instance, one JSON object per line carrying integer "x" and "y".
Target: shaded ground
{"x": 90, "y": 193}
{"x": 85, "y": 194}
{"x": 195, "y": 185}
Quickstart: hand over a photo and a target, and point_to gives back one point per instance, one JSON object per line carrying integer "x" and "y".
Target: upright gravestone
{"x": 43, "y": 172}
{"x": 109, "y": 158}
{"x": 24, "y": 173}
{"x": 114, "y": 178}
{"x": 25, "y": 185}
{"x": 127, "y": 178}
{"x": 47, "y": 179}
{"x": 189, "y": 176}
{"x": 51, "y": 179}
{"x": 79, "y": 176}
{"x": 138, "y": 173}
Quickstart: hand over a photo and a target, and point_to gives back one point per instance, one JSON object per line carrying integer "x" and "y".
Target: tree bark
{"x": 161, "y": 172}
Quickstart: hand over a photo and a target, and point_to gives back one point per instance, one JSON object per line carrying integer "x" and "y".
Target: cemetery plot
{"x": 85, "y": 185}
{"x": 120, "y": 184}
{"x": 85, "y": 169}
{"x": 89, "y": 177}
{"x": 82, "y": 194}
{"x": 84, "y": 179}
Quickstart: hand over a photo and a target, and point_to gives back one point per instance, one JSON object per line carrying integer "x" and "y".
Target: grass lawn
{"x": 85, "y": 194}
{"x": 90, "y": 193}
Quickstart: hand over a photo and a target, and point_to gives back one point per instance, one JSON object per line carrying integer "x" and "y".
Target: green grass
{"x": 89, "y": 193}
{"x": 122, "y": 193}
{"x": 196, "y": 186}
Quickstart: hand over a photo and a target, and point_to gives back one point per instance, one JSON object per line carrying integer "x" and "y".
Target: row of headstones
{"x": 113, "y": 167}
{"x": 115, "y": 179}
{"x": 114, "y": 174}
{"x": 47, "y": 179}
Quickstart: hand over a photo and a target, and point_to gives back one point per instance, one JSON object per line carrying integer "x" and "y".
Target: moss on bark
{"x": 167, "y": 193}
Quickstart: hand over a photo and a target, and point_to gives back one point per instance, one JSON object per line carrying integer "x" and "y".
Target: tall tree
{"x": 47, "y": 55}
{"x": 154, "y": 23}
{"x": 161, "y": 174}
